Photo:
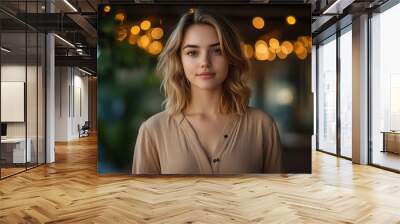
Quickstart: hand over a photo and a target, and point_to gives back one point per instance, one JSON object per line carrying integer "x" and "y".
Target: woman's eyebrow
{"x": 197, "y": 46}
{"x": 190, "y": 46}
{"x": 214, "y": 45}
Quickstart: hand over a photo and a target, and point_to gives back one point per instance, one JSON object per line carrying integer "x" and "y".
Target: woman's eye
{"x": 191, "y": 53}
{"x": 217, "y": 51}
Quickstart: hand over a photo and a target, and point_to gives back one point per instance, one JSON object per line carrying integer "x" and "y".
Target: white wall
{"x": 71, "y": 94}
{"x": 61, "y": 103}
{"x": 16, "y": 73}
{"x": 33, "y": 127}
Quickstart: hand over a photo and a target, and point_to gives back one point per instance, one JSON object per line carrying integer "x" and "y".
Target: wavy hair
{"x": 236, "y": 93}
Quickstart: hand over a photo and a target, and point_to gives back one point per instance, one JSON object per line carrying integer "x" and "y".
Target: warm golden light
{"x": 303, "y": 55}
{"x": 303, "y": 40}
{"x": 309, "y": 39}
{"x": 261, "y": 50}
{"x": 281, "y": 55}
{"x": 286, "y": 47}
{"x": 291, "y": 20}
{"x": 145, "y": 25}
{"x": 278, "y": 49}
{"x": 107, "y": 8}
{"x": 144, "y": 41}
{"x": 135, "y": 30}
{"x": 297, "y": 46}
{"x": 271, "y": 56}
{"x": 248, "y": 50}
{"x": 157, "y": 33}
{"x": 301, "y": 51}
{"x": 308, "y": 45}
{"x": 258, "y": 22}
{"x": 274, "y": 44}
{"x": 120, "y": 16}
{"x": 155, "y": 47}
{"x": 122, "y": 33}
{"x": 133, "y": 39}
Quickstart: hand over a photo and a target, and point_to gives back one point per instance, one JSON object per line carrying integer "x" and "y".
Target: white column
{"x": 50, "y": 93}
{"x": 360, "y": 90}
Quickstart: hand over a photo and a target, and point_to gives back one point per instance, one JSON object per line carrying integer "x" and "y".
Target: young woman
{"x": 207, "y": 127}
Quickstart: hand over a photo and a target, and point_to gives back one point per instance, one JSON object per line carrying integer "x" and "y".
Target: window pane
{"x": 327, "y": 97}
{"x": 385, "y": 89}
{"x": 345, "y": 94}
{"x": 15, "y": 151}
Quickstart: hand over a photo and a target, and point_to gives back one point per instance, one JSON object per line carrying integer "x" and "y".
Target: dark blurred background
{"x": 276, "y": 39}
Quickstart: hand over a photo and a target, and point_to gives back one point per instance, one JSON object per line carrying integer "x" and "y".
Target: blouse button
{"x": 215, "y": 160}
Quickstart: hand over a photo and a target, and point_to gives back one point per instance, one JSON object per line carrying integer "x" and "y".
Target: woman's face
{"x": 203, "y": 63}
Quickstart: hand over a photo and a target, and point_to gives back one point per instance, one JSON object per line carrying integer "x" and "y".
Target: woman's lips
{"x": 206, "y": 75}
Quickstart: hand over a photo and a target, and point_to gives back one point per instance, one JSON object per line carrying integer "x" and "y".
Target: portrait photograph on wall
{"x": 204, "y": 89}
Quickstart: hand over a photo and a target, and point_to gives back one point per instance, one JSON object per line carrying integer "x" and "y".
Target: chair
{"x": 84, "y": 130}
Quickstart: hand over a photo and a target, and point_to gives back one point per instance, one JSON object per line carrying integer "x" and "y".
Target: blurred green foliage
{"x": 128, "y": 93}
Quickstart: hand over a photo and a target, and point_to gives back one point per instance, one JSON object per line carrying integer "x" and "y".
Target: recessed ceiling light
{"x": 84, "y": 71}
{"x": 64, "y": 40}
{"x": 5, "y": 50}
{"x": 70, "y": 5}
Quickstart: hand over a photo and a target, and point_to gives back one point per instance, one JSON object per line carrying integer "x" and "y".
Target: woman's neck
{"x": 204, "y": 102}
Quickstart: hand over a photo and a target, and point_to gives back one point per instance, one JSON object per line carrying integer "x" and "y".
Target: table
{"x": 391, "y": 141}
{"x": 16, "y": 147}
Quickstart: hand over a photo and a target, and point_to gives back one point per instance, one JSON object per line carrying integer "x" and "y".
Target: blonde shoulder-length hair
{"x": 236, "y": 93}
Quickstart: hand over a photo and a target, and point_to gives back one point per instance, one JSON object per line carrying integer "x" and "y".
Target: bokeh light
{"x": 157, "y": 33}
{"x": 286, "y": 47}
{"x": 258, "y": 22}
{"x": 272, "y": 55}
{"x": 281, "y": 55}
{"x": 155, "y": 47}
{"x": 145, "y": 25}
{"x": 135, "y": 30}
{"x": 248, "y": 50}
{"x": 291, "y": 20}
{"x": 144, "y": 41}
{"x": 261, "y": 50}
{"x": 300, "y": 50}
{"x": 133, "y": 39}
{"x": 120, "y": 16}
{"x": 274, "y": 44}
{"x": 107, "y": 8}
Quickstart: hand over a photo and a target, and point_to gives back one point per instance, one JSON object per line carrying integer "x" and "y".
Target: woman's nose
{"x": 205, "y": 60}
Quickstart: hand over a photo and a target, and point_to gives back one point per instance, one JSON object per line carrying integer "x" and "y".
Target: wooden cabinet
{"x": 391, "y": 142}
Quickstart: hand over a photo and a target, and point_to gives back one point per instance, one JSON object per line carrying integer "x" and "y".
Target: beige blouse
{"x": 169, "y": 145}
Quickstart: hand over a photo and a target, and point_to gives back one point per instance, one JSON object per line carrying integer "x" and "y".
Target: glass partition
{"x": 22, "y": 89}
{"x": 327, "y": 96}
{"x": 346, "y": 93}
{"x": 385, "y": 89}
{"x": 13, "y": 108}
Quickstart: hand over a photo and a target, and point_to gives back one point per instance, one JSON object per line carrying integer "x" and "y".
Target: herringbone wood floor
{"x": 70, "y": 191}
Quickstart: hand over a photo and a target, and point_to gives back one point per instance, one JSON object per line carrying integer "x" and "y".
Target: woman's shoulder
{"x": 258, "y": 115}
{"x": 156, "y": 120}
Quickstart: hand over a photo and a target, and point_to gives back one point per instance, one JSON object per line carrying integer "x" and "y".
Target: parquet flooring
{"x": 70, "y": 191}
{"x": 10, "y": 171}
